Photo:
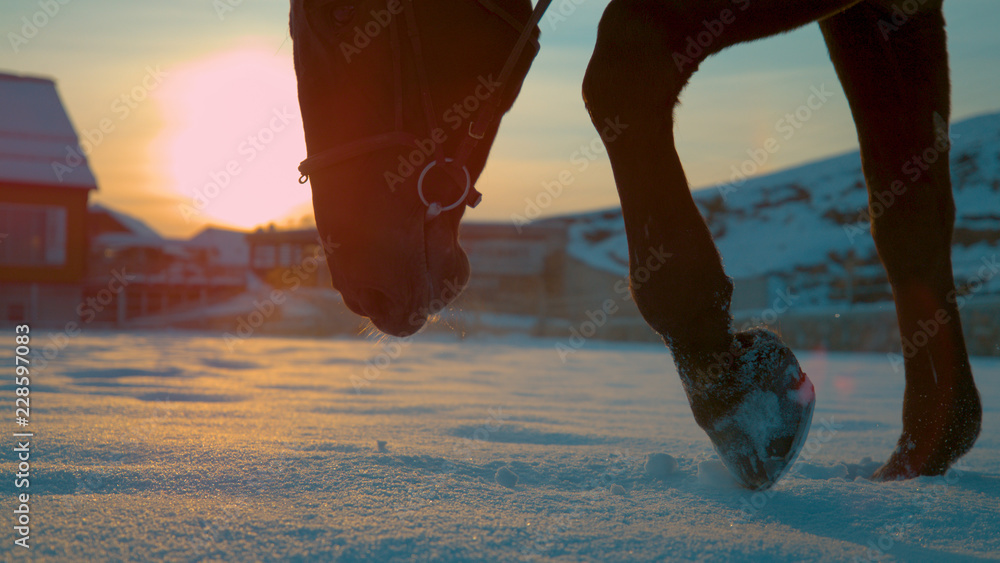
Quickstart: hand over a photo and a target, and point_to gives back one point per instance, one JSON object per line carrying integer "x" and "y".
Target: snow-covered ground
{"x": 170, "y": 446}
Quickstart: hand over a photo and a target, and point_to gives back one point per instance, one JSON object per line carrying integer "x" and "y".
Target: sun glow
{"x": 234, "y": 139}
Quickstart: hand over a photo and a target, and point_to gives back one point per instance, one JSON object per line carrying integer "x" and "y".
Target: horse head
{"x": 401, "y": 102}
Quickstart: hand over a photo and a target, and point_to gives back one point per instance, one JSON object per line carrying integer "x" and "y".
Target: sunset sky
{"x": 189, "y": 93}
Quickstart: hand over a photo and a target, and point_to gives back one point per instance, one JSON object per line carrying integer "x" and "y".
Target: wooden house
{"x": 45, "y": 182}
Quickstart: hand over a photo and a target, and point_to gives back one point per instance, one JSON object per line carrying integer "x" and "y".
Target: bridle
{"x": 482, "y": 121}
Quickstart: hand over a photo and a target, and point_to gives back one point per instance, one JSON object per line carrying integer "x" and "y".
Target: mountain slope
{"x": 809, "y": 226}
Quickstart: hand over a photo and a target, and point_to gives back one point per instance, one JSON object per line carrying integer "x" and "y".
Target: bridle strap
{"x": 487, "y": 113}
{"x": 354, "y": 149}
{"x": 481, "y": 123}
{"x": 425, "y": 88}
{"x": 502, "y": 14}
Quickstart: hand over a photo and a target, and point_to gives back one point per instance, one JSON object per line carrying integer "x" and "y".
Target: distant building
{"x": 515, "y": 270}
{"x": 160, "y": 275}
{"x": 230, "y": 247}
{"x": 522, "y": 276}
{"x": 288, "y": 259}
{"x": 102, "y": 220}
{"x": 45, "y": 182}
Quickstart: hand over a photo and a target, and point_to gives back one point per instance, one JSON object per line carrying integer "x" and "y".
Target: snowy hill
{"x": 808, "y": 226}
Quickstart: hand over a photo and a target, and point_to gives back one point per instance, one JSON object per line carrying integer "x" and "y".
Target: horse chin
{"x": 446, "y": 273}
{"x": 423, "y": 293}
{"x": 440, "y": 292}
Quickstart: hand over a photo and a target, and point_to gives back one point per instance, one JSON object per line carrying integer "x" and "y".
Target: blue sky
{"x": 99, "y": 50}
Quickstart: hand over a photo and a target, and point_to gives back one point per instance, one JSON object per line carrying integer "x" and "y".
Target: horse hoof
{"x": 758, "y": 412}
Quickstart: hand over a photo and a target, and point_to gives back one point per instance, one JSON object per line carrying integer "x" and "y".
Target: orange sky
{"x": 197, "y": 98}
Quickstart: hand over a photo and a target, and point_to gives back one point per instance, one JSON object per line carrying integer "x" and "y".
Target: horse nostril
{"x": 389, "y": 315}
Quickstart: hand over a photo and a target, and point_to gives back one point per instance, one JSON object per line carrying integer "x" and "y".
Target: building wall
{"x": 287, "y": 259}
{"x": 751, "y": 294}
{"x": 39, "y": 305}
{"x": 596, "y": 304}
{"x": 873, "y": 328}
{"x": 586, "y": 288}
{"x": 74, "y": 200}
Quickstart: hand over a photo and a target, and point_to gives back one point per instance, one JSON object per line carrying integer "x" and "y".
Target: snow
{"x": 159, "y": 446}
{"x": 660, "y": 465}
{"x": 36, "y": 133}
{"x": 794, "y": 219}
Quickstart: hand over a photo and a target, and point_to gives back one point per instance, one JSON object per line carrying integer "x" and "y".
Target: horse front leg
{"x": 746, "y": 390}
{"x": 896, "y": 81}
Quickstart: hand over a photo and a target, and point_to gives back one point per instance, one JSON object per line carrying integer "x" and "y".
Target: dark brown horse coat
{"x": 396, "y": 266}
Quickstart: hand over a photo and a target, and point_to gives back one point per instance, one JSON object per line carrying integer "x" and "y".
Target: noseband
{"x": 487, "y": 116}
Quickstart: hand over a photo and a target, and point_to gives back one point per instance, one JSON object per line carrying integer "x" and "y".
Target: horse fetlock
{"x": 938, "y": 429}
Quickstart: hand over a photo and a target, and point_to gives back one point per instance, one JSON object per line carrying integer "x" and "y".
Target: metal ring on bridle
{"x": 459, "y": 201}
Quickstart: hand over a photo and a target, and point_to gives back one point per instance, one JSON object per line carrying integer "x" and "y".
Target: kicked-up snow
{"x": 156, "y": 446}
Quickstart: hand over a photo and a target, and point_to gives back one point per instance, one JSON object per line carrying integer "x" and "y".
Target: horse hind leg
{"x": 896, "y": 80}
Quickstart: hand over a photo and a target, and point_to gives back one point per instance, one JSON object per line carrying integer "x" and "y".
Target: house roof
{"x": 127, "y": 222}
{"x": 38, "y": 144}
{"x": 231, "y": 245}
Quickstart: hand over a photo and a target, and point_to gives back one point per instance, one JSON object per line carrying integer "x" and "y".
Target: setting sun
{"x": 234, "y": 139}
